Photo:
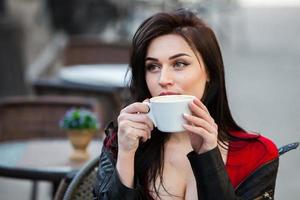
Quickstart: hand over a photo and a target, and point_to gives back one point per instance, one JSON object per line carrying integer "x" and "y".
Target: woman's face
{"x": 172, "y": 67}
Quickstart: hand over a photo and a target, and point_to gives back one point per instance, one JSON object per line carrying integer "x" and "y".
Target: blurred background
{"x": 80, "y": 48}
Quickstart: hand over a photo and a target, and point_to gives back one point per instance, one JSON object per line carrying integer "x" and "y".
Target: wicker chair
{"x": 82, "y": 184}
{"x": 26, "y": 117}
{"x": 80, "y": 187}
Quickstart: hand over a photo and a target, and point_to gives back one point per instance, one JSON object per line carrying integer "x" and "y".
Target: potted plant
{"x": 80, "y": 125}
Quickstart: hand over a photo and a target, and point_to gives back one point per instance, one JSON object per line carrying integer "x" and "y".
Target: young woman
{"x": 214, "y": 158}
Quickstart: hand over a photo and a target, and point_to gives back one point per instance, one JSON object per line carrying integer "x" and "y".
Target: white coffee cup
{"x": 166, "y": 112}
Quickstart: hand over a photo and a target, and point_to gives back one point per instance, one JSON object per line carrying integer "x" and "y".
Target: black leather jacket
{"x": 214, "y": 184}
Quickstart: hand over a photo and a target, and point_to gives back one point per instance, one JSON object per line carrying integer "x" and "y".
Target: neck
{"x": 182, "y": 140}
{"x": 179, "y": 137}
{"x": 179, "y": 142}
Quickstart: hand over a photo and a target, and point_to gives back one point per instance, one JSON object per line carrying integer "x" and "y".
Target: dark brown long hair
{"x": 150, "y": 155}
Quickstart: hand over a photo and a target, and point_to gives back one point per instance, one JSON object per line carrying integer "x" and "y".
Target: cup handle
{"x": 150, "y": 114}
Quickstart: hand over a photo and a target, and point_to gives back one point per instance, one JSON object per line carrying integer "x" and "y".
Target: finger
{"x": 131, "y": 129}
{"x": 136, "y": 107}
{"x": 200, "y": 104}
{"x": 198, "y": 111}
{"x": 132, "y": 132}
{"x": 196, "y": 130}
{"x": 146, "y": 100}
{"x": 140, "y": 118}
{"x": 196, "y": 121}
{"x": 140, "y": 126}
{"x": 143, "y": 135}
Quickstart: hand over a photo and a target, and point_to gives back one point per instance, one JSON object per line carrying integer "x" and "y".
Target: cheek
{"x": 194, "y": 84}
{"x": 150, "y": 81}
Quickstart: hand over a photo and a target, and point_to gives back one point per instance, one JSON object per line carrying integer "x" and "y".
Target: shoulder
{"x": 256, "y": 144}
{"x": 269, "y": 146}
{"x": 247, "y": 154}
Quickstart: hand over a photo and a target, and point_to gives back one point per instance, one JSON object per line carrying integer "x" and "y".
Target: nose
{"x": 166, "y": 78}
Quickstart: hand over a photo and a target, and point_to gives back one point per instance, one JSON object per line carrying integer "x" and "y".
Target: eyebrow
{"x": 170, "y": 58}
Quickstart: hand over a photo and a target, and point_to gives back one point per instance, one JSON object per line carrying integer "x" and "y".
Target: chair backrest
{"x": 81, "y": 50}
{"x": 81, "y": 187}
{"x": 26, "y": 117}
{"x": 286, "y": 148}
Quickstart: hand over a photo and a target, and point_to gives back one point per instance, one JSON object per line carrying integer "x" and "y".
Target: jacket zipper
{"x": 266, "y": 195}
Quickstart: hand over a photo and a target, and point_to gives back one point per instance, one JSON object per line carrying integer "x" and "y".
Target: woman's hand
{"x": 201, "y": 127}
{"x": 133, "y": 125}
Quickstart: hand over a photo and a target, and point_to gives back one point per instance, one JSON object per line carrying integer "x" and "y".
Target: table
{"x": 101, "y": 75}
{"x": 43, "y": 159}
{"x": 109, "y": 80}
{"x": 106, "y": 82}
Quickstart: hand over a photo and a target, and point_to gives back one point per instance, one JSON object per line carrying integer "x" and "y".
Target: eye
{"x": 152, "y": 67}
{"x": 180, "y": 64}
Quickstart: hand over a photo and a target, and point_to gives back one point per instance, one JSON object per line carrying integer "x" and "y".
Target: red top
{"x": 244, "y": 157}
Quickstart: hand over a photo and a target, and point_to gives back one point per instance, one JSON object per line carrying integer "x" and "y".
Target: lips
{"x": 169, "y": 93}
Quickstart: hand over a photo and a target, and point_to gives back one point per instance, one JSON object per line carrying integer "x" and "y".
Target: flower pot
{"x": 80, "y": 140}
